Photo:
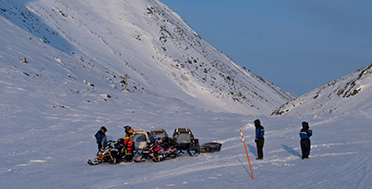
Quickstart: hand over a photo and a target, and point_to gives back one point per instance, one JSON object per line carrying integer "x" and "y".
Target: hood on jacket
{"x": 257, "y": 123}
{"x": 305, "y": 125}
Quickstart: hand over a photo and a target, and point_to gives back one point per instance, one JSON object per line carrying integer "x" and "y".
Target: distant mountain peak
{"x": 349, "y": 93}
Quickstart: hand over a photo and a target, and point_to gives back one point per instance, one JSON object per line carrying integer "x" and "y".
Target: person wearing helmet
{"x": 128, "y": 143}
{"x": 100, "y": 136}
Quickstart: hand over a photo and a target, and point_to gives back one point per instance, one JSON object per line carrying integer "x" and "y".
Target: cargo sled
{"x": 210, "y": 147}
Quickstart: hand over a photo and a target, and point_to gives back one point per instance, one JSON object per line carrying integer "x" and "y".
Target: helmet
{"x": 127, "y": 128}
{"x": 103, "y": 128}
{"x": 129, "y": 132}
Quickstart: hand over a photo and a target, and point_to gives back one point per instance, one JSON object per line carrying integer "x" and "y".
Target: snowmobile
{"x": 158, "y": 151}
{"x": 185, "y": 141}
{"x": 141, "y": 140}
{"x": 109, "y": 154}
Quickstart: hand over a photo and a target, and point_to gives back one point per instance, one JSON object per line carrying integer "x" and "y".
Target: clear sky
{"x": 298, "y": 45}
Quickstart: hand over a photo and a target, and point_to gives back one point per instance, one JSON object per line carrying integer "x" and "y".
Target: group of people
{"x": 305, "y": 134}
{"x": 128, "y": 141}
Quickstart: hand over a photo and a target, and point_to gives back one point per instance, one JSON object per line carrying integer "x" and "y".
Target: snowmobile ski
{"x": 92, "y": 163}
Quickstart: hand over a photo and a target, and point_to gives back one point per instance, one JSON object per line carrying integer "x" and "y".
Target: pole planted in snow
{"x": 246, "y": 151}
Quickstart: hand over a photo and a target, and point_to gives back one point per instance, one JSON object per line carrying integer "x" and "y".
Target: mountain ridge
{"x": 149, "y": 42}
{"x": 348, "y": 93}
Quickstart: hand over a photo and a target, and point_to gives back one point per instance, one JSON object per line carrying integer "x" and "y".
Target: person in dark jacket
{"x": 260, "y": 140}
{"x": 100, "y": 135}
{"x": 305, "y": 134}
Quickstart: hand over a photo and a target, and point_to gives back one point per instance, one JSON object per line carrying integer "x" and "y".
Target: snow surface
{"x": 52, "y": 106}
{"x": 49, "y": 148}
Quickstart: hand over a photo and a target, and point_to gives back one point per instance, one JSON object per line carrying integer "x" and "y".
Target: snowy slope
{"x": 161, "y": 54}
{"x": 351, "y": 92}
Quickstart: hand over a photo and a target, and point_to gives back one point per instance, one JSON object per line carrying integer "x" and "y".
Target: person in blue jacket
{"x": 100, "y": 135}
{"x": 260, "y": 140}
{"x": 305, "y": 134}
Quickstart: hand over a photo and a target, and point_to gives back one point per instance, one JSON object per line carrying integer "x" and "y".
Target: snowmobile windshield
{"x": 140, "y": 140}
{"x": 183, "y": 138}
{"x": 139, "y": 137}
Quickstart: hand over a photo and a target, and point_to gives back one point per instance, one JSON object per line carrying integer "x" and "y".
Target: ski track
{"x": 219, "y": 161}
{"x": 345, "y": 172}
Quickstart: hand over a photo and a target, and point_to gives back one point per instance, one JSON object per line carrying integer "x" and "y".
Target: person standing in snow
{"x": 100, "y": 135}
{"x": 128, "y": 144}
{"x": 305, "y": 134}
{"x": 260, "y": 140}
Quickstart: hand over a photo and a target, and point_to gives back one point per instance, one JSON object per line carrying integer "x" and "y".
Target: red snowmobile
{"x": 158, "y": 151}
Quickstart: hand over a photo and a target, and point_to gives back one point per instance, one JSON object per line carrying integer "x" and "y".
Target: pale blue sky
{"x": 297, "y": 44}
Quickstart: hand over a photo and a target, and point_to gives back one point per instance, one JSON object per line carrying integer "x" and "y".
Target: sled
{"x": 210, "y": 147}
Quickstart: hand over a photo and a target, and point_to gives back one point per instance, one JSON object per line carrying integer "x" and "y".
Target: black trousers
{"x": 260, "y": 144}
{"x": 305, "y": 148}
{"x": 99, "y": 146}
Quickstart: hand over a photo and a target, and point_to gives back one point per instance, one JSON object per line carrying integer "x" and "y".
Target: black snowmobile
{"x": 185, "y": 141}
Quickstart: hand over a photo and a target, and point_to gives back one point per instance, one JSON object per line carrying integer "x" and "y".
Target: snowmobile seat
{"x": 167, "y": 142}
{"x": 119, "y": 144}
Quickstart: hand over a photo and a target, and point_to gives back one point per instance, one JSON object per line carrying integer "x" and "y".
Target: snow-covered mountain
{"x": 349, "y": 93}
{"x": 90, "y": 45}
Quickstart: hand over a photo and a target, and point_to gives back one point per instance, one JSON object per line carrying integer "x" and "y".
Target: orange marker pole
{"x": 241, "y": 134}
